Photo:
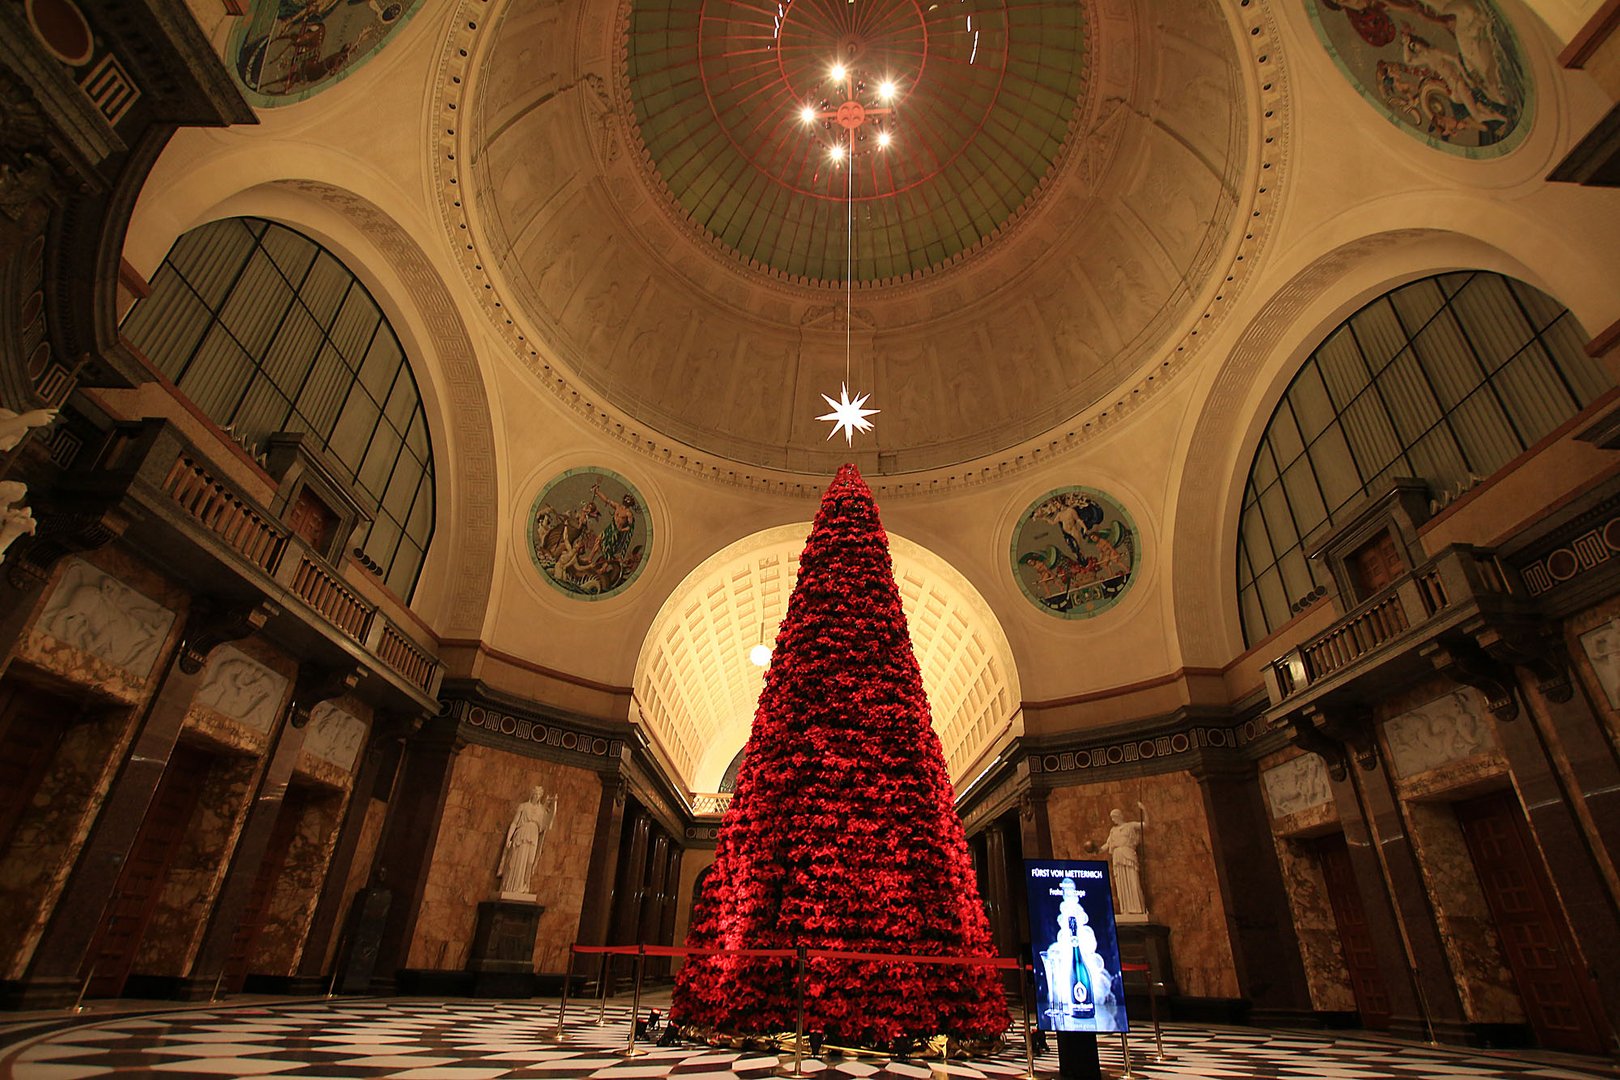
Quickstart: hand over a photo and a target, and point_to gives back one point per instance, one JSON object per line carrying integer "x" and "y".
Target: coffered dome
{"x": 654, "y": 215}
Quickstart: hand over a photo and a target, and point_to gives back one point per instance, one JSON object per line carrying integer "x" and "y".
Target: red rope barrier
{"x": 1003, "y": 962}
{"x": 1134, "y": 967}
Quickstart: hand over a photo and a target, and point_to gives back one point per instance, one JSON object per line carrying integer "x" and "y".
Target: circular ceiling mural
{"x": 956, "y": 111}
{"x": 284, "y": 52}
{"x": 589, "y": 533}
{"x": 1075, "y": 551}
{"x": 1449, "y": 71}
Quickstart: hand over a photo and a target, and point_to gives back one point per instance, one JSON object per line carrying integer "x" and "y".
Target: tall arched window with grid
{"x": 266, "y": 331}
{"x": 1446, "y": 379}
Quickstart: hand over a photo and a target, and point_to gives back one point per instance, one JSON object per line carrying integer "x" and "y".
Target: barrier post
{"x": 630, "y": 1049}
{"x": 78, "y": 1002}
{"x": 1153, "y": 1010}
{"x": 1028, "y": 988}
{"x": 1125, "y": 1052}
{"x": 601, "y": 991}
{"x": 798, "y": 1031}
{"x": 557, "y": 1036}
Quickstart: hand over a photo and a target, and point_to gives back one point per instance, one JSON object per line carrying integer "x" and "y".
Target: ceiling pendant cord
{"x": 849, "y": 244}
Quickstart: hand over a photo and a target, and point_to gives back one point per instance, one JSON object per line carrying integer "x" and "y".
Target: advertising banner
{"x": 1078, "y": 985}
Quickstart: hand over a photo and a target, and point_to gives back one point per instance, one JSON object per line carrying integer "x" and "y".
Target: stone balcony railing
{"x": 183, "y": 500}
{"x": 1444, "y": 593}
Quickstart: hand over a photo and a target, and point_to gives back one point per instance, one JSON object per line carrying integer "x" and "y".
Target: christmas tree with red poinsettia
{"x": 841, "y": 833}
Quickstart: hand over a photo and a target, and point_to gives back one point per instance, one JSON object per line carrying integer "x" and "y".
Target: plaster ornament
{"x": 14, "y": 425}
{"x": 15, "y": 521}
{"x": 524, "y": 836}
{"x": 848, "y": 416}
{"x": 241, "y": 688}
{"x": 1124, "y": 850}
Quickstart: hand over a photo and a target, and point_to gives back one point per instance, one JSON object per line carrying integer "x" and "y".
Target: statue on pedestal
{"x": 1123, "y": 848}
{"x": 530, "y": 823}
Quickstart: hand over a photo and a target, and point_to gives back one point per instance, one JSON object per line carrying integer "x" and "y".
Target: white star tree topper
{"x": 848, "y": 416}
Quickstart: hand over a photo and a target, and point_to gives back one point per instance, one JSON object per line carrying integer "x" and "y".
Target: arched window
{"x": 265, "y": 331}
{"x": 1446, "y": 379}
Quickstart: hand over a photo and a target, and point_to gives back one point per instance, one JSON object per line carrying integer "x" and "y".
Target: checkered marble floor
{"x": 479, "y": 1040}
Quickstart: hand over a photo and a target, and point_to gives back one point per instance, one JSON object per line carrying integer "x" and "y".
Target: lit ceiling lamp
{"x": 853, "y": 108}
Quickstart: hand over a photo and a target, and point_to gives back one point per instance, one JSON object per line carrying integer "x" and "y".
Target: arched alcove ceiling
{"x": 695, "y": 688}
{"x": 657, "y": 227}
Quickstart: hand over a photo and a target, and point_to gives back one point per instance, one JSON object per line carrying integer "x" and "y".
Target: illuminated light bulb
{"x": 838, "y": 72}
{"x": 836, "y": 153}
{"x": 760, "y": 656}
{"x": 886, "y": 91}
{"x": 807, "y": 114}
{"x": 883, "y": 138}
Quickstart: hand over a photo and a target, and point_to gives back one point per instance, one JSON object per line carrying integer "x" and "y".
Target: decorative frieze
{"x": 508, "y": 727}
{"x": 1156, "y": 752}
{"x": 1296, "y": 785}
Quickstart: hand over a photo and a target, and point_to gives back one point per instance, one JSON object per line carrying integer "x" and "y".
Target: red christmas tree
{"x": 841, "y": 833}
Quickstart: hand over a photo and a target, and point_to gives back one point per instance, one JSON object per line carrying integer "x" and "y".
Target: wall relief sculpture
{"x": 334, "y": 735}
{"x": 94, "y": 612}
{"x": 1602, "y": 647}
{"x": 1074, "y": 552}
{"x": 589, "y": 533}
{"x": 1450, "y": 71}
{"x": 1296, "y": 785}
{"x": 1447, "y": 729}
{"x": 284, "y": 52}
{"x": 241, "y": 688}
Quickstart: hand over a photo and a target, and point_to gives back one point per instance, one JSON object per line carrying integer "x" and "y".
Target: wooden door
{"x": 248, "y": 927}
{"x": 145, "y": 871}
{"x": 1375, "y": 564}
{"x": 1536, "y": 940}
{"x": 1366, "y": 980}
{"x": 32, "y": 721}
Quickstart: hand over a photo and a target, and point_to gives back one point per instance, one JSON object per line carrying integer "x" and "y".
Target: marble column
{"x": 312, "y": 975}
{"x": 313, "y": 686}
{"x": 54, "y": 973}
{"x": 410, "y": 833}
{"x": 1259, "y": 924}
{"x": 595, "y": 917}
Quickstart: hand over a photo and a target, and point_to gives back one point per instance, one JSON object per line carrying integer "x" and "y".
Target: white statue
{"x": 15, "y": 521}
{"x": 530, "y": 823}
{"x": 1124, "y": 850}
{"x": 14, "y": 425}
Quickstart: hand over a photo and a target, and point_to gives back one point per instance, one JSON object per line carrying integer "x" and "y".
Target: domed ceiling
{"x": 665, "y": 228}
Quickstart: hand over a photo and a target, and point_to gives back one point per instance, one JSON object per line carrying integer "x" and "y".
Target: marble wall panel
{"x": 291, "y": 905}
{"x": 485, "y": 787}
{"x": 1483, "y": 981}
{"x": 49, "y": 837}
{"x": 365, "y": 850}
{"x": 1326, "y": 975}
{"x": 1593, "y": 639}
{"x": 198, "y": 870}
{"x": 1178, "y": 867}
{"x": 104, "y": 622}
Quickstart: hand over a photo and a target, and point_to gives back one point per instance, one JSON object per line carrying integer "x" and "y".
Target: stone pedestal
{"x": 1146, "y": 943}
{"x": 502, "y": 957}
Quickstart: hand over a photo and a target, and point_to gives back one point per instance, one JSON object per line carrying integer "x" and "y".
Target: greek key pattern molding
{"x": 1156, "y": 753}
{"x": 1589, "y": 541}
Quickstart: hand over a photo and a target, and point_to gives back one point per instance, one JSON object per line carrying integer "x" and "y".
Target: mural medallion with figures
{"x": 1075, "y": 551}
{"x": 1450, "y": 71}
{"x": 589, "y": 533}
{"x": 287, "y": 50}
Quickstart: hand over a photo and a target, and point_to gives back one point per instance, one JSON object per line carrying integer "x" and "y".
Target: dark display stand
{"x": 362, "y": 936}
{"x": 1077, "y": 1055}
{"x": 502, "y": 957}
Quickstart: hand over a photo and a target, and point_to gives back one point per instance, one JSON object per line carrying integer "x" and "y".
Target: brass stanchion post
{"x": 601, "y": 992}
{"x": 1153, "y": 1009}
{"x": 630, "y": 1050}
{"x": 557, "y": 1036}
{"x": 798, "y": 1031}
{"x": 78, "y": 1002}
{"x": 1027, "y": 987}
{"x": 1125, "y": 1052}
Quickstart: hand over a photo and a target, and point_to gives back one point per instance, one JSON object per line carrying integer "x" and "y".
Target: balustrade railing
{"x": 153, "y": 451}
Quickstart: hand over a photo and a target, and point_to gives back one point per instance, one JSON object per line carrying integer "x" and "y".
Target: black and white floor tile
{"x": 475, "y": 1040}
